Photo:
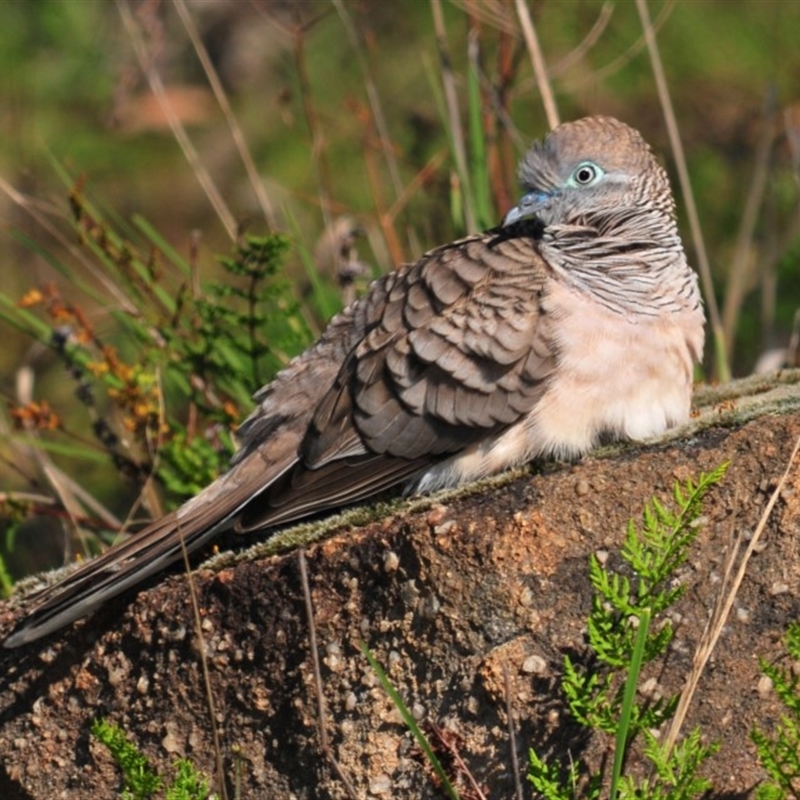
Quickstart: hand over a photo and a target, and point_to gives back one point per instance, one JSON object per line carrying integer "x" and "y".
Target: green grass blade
{"x": 629, "y": 699}
{"x": 67, "y": 449}
{"x": 71, "y": 274}
{"x": 325, "y": 303}
{"x": 23, "y": 320}
{"x": 460, "y": 194}
{"x": 408, "y": 718}
{"x": 156, "y": 239}
{"x": 478, "y": 167}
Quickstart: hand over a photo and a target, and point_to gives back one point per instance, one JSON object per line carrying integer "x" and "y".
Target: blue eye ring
{"x": 586, "y": 173}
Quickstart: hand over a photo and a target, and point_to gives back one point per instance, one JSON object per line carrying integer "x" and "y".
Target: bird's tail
{"x": 97, "y": 581}
{"x": 145, "y": 553}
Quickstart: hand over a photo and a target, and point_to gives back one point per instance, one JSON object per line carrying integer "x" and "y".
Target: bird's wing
{"x": 148, "y": 551}
{"x": 456, "y": 350}
{"x": 270, "y": 438}
{"x": 437, "y": 356}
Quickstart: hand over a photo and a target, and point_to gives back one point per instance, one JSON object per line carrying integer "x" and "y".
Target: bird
{"x": 575, "y": 320}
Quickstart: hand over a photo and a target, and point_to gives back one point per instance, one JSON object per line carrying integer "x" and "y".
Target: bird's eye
{"x": 585, "y": 174}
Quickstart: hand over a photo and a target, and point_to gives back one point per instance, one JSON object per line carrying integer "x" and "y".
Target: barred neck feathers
{"x": 609, "y": 217}
{"x": 629, "y": 260}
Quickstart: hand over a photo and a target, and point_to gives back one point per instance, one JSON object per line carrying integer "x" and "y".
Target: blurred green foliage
{"x": 73, "y": 91}
{"x": 311, "y": 85}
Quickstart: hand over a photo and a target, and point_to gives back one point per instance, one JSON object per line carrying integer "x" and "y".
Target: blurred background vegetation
{"x": 353, "y": 113}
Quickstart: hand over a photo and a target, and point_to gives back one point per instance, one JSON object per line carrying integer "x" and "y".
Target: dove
{"x": 576, "y": 320}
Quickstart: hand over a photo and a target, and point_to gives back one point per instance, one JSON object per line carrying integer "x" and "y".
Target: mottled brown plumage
{"x": 576, "y": 319}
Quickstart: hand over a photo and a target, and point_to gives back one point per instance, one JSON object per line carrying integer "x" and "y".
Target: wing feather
{"x": 437, "y": 356}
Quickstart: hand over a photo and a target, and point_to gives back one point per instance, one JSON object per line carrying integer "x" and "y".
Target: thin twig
{"x": 177, "y": 128}
{"x": 267, "y": 209}
{"x": 621, "y": 61}
{"x": 201, "y": 646}
{"x": 463, "y": 769}
{"x": 723, "y": 371}
{"x": 589, "y": 41}
{"x": 373, "y": 96}
{"x": 736, "y": 284}
{"x": 451, "y": 98}
{"x": 324, "y": 742}
{"x": 512, "y": 734}
{"x": 537, "y": 60}
{"x": 722, "y": 609}
{"x": 29, "y": 206}
{"x": 319, "y": 159}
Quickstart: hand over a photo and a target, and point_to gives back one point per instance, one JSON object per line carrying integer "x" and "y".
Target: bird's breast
{"x": 627, "y": 376}
{"x": 617, "y": 376}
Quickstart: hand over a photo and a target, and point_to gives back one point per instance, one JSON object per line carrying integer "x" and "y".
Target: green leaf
{"x": 140, "y": 781}
{"x": 410, "y": 722}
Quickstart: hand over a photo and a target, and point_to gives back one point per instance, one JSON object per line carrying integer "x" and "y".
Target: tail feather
{"x": 92, "y": 585}
{"x": 149, "y": 551}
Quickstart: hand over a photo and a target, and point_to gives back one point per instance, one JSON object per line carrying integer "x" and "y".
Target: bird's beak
{"x": 527, "y": 207}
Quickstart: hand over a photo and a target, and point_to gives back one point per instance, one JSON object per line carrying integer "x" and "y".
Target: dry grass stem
{"x": 374, "y": 98}
{"x": 793, "y": 350}
{"x": 177, "y": 128}
{"x": 27, "y": 497}
{"x": 83, "y": 500}
{"x": 720, "y": 612}
{"x": 589, "y": 41}
{"x": 489, "y": 12}
{"x": 201, "y": 649}
{"x": 512, "y": 734}
{"x": 80, "y": 498}
{"x": 322, "y": 726}
{"x": 453, "y": 114}
{"x": 775, "y": 248}
{"x": 616, "y": 64}
{"x": 537, "y": 60}
{"x": 101, "y": 277}
{"x": 61, "y": 484}
{"x": 319, "y": 158}
{"x": 416, "y": 184}
{"x": 501, "y": 112}
{"x": 267, "y": 208}
{"x": 385, "y": 218}
{"x": 704, "y": 267}
{"x": 149, "y": 496}
{"x": 737, "y": 283}
{"x": 448, "y": 745}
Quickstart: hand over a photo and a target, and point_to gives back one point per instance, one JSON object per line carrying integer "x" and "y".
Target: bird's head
{"x": 588, "y": 173}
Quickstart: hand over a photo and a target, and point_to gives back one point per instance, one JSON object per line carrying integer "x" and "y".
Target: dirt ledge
{"x": 448, "y": 594}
